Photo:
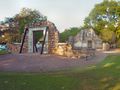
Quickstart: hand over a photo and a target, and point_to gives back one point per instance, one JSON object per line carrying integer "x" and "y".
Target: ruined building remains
{"x": 50, "y": 37}
{"x": 85, "y": 39}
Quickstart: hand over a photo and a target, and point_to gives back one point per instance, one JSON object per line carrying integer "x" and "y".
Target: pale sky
{"x": 64, "y": 13}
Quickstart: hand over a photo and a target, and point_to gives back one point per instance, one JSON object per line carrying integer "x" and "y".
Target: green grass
{"x": 103, "y": 76}
{"x": 2, "y": 52}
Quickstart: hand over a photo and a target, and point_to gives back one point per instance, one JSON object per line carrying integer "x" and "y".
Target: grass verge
{"x": 2, "y": 52}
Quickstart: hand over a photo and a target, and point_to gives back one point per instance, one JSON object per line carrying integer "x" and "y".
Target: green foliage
{"x": 67, "y": 33}
{"x": 118, "y": 31}
{"x": 7, "y": 38}
{"x": 118, "y": 42}
{"x": 3, "y": 52}
{"x": 18, "y": 22}
{"x": 27, "y": 16}
{"x": 108, "y": 36}
{"x": 38, "y": 36}
{"x": 104, "y": 14}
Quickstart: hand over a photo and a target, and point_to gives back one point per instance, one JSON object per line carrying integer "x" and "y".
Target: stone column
{"x": 30, "y": 41}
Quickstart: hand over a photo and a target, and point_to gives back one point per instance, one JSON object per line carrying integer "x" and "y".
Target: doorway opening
{"x": 89, "y": 44}
{"x": 37, "y": 41}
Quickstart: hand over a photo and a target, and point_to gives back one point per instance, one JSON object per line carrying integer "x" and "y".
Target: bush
{"x": 118, "y": 43}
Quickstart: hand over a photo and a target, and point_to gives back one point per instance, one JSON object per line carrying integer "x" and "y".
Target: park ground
{"x": 35, "y": 72}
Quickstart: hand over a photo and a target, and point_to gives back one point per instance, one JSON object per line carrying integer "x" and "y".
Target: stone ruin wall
{"x": 53, "y": 38}
{"x": 53, "y": 34}
{"x": 63, "y": 49}
{"x": 54, "y": 47}
{"x": 14, "y": 48}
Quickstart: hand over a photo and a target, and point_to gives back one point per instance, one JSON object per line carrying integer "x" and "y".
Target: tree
{"x": 68, "y": 32}
{"x": 17, "y": 23}
{"x": 108, "y": 36}
{"x": 6, "y": 38}
{"x": 27, "y": 16}
{"x": 105, "y": 14}
{"x": 118, "y": 31}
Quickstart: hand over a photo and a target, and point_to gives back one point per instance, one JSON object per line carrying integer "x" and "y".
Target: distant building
{"x": 85, "y": 39}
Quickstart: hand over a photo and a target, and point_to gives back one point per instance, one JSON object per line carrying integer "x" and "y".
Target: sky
{"x": 63, "y": 13}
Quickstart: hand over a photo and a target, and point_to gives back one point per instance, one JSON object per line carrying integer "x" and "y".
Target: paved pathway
{"x": 43, "y": 63}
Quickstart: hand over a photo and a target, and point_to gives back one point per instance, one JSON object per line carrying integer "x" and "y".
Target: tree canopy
{"x": 17, "y": 23}
{"x": 69, "y": 32}
{"x": 108, "y": 36}
{"x": 26, "y": 16}
{"x": 105, "y": 15}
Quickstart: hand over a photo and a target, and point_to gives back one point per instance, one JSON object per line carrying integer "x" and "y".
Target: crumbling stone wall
{"x": 63, "y": 49}
{"x": 13, "y": 48}
{"x": 53, "y": 37}
{"x": 53, "y": 34}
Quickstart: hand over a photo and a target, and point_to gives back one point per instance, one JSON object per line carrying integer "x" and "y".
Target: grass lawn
{"x": 104, "y": 76}
{"x": 2, "y": 52}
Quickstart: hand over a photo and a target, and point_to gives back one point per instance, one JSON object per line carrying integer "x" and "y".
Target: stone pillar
{"x": 30, "y": 41}
{"x": 106, "y": 46}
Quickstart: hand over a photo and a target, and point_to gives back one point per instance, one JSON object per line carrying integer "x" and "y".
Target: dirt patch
{"x": 43, "y": 63}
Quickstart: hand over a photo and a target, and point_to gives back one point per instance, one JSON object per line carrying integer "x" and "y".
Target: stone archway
{"x": 51, "y": 37}
{"x": 31, "y": 40}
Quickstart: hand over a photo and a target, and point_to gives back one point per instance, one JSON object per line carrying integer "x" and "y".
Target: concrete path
{"x": 43, "y": 63}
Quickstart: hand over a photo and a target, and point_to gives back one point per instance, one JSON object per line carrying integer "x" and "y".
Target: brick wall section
{"x": 15, "y": 48}
{"x": 53, "y": 38}
{"x": 53, "y": 34}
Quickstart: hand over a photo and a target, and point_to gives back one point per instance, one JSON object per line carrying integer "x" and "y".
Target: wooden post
{"x": 26, "y": 29}
{"x": 44, "y": 41}
{"x": 33, "y": 42}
